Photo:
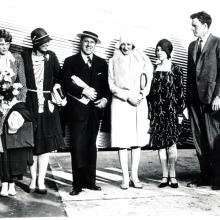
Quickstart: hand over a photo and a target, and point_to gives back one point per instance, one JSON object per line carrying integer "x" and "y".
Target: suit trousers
{"x": 206, "y": 131}
{"x": 83, "y": 151}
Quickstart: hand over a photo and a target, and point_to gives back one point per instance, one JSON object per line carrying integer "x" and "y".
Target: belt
{"x": 37, "y": 90}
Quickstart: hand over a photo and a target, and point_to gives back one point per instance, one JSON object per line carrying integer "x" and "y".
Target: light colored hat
{"x": 15, "y": 121}
{"x": 126, "y": 38}
{"x": 89, "y": 34}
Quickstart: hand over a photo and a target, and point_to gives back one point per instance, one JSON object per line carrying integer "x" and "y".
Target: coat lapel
{"x": 207, "y": 45}
{"x": 94, "y": 68}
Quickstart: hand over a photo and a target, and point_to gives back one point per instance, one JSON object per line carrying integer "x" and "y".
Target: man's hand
{"x": 101, "y": 103}
{"x": 90, "y": 93}
{"x": 216, "y": 103}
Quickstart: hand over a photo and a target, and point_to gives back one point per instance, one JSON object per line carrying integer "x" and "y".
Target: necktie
{"x": 89, "y": 61}
{"x": 199, "y": 49}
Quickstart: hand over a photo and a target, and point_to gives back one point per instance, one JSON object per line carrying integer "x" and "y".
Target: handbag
{"x": 143, "y": 81}
{"x": 24, "y": 137}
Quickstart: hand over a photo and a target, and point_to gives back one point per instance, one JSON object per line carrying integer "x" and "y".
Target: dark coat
{"x": 51, "y": 76}
{"x": 205, "y": 75}
{"x": 96, "y": 78}
{"x": 84, "y": 119}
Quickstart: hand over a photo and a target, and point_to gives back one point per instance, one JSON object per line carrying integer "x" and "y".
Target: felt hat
{"x": 166, "y": 46}
{"x": 39, "y": 36}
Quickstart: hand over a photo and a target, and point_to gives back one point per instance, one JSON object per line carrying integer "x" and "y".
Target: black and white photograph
{"x": 109, "y": 109}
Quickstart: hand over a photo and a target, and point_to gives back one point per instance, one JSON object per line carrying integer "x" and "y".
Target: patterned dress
{"x": 166, "y": 103}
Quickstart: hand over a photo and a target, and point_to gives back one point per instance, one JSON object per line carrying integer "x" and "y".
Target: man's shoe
{"x": 94, "y": 187}
{"x": 215, "y": 187}
{"x": 75, "y": 191}
{"x": 199, "y": 182}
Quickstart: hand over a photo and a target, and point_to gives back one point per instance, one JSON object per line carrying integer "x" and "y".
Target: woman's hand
{"x": 135, "y": 99}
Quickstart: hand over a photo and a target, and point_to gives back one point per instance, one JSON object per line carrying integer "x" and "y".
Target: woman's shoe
{"x": 31, "y": 190}
{"x": 4, "y": 190}
{"x": 164, "y": 184}
{"x": 4, "y": 194}
{"x": 174, "y": 185}
{"x": 136, "y": 184}
{"x": 11, "y": 189}
{"x": 41, "y": 191}
{"x": 124, "y": 186}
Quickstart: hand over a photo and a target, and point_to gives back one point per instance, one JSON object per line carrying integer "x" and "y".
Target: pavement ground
{"x": 113, "y": 201}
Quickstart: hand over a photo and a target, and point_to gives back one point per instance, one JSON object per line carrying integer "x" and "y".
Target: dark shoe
{"x": 94, "y": 187}
{"x": 215, "y": 187}
{"x": 137, "y": 185}
{"x": 41, "y": 191}
{"x": 199, "y": 182}
{"x": 75, "y": 191}
{"x": 31, "y": 190}
{"x": 173, "y": 185}
{"x": 164, "y": 184}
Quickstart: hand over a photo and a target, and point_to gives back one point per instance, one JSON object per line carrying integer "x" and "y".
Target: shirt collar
{"x": 204, "y": 39}
{"x": 84, "y": 56}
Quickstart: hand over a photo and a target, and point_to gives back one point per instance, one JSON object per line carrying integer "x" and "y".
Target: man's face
{"x": 88, "y": 45}
{"x": 4, "y": 46}
{"x": 199, "y": 29}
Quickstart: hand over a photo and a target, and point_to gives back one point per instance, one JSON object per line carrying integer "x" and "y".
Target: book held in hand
{"x": 76, "y": 80}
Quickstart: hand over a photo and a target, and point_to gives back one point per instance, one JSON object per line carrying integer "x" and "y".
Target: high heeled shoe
{"x": 124, "y": 186}
{"x": 164, "y": 184}
{"x": 174, "y": 185}
{"x": 136, "y": 184}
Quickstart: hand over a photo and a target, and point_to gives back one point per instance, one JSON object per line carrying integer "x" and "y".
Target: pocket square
{"x": 99, "y": 74}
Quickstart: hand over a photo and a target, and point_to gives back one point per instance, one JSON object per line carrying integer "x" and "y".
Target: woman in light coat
{"x": 130, "y": 75}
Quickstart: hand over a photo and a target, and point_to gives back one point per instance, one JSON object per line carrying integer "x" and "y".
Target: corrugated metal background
{"x": 65, "y": 46}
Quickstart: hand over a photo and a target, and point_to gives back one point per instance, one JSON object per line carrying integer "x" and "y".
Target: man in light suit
{"x": 91, "y": 83}
{"x": 203, "y": 99}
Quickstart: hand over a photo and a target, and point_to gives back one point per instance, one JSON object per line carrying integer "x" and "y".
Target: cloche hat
{"x": 39, "y": 36}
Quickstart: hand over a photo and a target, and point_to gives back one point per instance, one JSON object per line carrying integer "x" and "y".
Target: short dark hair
{"x": 203, "y": 17}
{"x": 6, "y": 35}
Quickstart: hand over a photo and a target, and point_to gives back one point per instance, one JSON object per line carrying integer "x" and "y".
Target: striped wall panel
{"x": 63, "y": 46}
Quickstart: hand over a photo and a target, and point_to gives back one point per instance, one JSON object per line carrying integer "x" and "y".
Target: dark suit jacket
{"x": 96, "y": 78}
{"x": 205, "y": 75}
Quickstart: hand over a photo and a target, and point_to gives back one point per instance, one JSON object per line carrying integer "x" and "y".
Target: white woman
{"x": 166, "y": 101}
{"x": 130, "y": 75}
{"x": 42, "y": 71}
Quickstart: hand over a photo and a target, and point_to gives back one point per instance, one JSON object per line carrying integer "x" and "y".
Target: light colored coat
{"x": 129, "y": 124}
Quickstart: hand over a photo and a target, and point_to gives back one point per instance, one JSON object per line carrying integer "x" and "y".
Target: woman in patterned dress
{"x": 166, "y": 102}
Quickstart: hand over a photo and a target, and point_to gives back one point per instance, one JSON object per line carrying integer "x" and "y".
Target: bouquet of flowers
{"x": 8, "y": 90}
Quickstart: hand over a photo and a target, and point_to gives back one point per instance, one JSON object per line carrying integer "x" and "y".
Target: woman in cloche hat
{"x": 166, "y": 101}
{"x": 130, "y": 74}
{"x": 42, "y": 71}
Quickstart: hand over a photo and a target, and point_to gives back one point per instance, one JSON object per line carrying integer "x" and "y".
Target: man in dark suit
{"x": 203, "y": 98}
{"x": 85, "y": 81}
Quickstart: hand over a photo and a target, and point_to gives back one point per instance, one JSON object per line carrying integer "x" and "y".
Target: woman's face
{"x": 126, "y": 48}
{"x": 4, "y": 46}
{"x": 161, "y": 54}
{"x": 44, "y": 47}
